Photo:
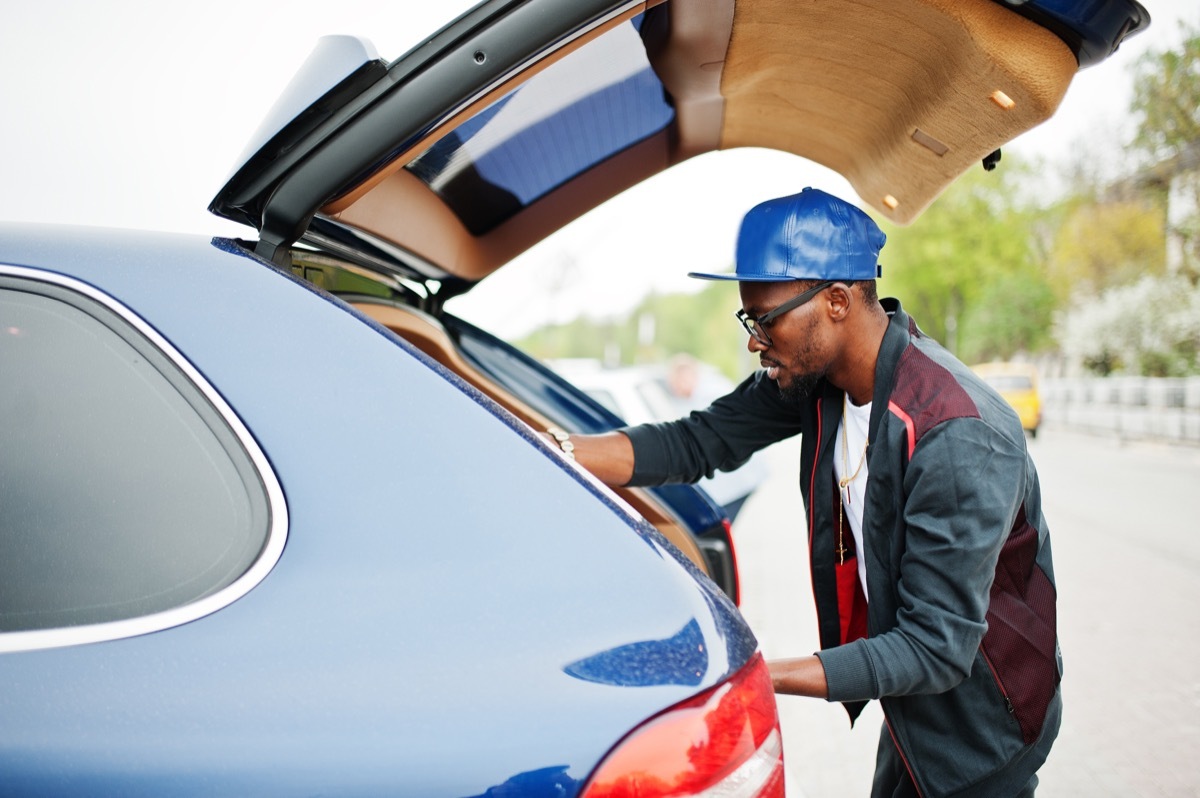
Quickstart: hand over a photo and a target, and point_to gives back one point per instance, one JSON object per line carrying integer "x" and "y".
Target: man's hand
{"x": 802, "y": 676}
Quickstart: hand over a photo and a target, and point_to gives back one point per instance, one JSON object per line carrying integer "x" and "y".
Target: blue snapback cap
{"x": 807, "y": 236}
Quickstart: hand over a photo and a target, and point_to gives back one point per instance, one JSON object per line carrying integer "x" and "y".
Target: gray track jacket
{"x": 959, "y": 639}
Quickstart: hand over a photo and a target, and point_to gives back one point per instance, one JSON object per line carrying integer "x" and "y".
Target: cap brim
{"x": 742, "y": 278}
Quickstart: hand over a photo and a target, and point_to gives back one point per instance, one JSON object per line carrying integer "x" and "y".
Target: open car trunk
{"x": 383, "y": 300}
{"x": 521, "y": 116}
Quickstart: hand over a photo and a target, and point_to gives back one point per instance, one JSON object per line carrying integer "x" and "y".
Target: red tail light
{"x": 724, "y": 743}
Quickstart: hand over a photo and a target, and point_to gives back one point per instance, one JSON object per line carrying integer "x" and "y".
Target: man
{"x": 930, "y": 559}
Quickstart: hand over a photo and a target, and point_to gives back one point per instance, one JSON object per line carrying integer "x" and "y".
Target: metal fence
{"x": 1137, "y": 408}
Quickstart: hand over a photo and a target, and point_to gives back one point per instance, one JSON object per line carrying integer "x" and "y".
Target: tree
{"x": 700, "y": 324}
{"x": 968, "y": 268}
{"x": 1101, "y": 245}
{"x": 1014, "y": 314}
{"x": 1150, "y": 328}
{"x": 1167, "y": 102}
{"x": 1167, "y": 98}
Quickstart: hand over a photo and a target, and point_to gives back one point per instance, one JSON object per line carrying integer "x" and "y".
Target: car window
{"x": 605, "y": 398}
{"x": 592, "y": 104}
{"x": 123, "y": 491}
{"x": 663, "y": 404}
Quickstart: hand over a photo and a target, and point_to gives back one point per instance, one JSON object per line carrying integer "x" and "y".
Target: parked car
{"x": 1017, "y": 383}
{"x": 272, "y": 521}
{"x": 661, "y": 392}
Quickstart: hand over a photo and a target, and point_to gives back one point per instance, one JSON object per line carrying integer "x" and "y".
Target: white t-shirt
{"x": 851, "y": 443}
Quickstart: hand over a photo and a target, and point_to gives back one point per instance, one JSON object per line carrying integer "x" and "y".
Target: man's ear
{"x": 839, "y": 300}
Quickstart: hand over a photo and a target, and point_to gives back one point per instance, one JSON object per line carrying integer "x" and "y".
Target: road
{"x": 1125, "y": 527}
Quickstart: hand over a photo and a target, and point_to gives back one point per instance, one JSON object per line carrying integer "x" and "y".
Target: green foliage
{"x": 1103, "y": 245}
{"x": 968, "y": 271}
{"x": 1167, "y": 104}
{"x": 1167, "y": 97}
{"x": 700, "y": 324}
{"x": 1014, "y": 314}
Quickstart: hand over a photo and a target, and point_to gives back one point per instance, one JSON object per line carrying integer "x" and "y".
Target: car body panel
{"x": 345, "y": 670}
{"x": 574, "y": 409}
{"x": 684, "y": 514}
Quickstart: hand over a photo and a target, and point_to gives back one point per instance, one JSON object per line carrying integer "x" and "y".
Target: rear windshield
{"x": 583, "y": 109}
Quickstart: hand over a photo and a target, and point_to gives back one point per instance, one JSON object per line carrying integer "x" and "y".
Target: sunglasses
{"x": 756, "y": 325}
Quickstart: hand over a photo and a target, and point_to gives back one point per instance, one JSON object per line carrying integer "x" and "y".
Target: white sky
{"x": 131, "y": 113}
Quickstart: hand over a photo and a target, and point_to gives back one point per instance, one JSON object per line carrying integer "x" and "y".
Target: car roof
{"x": 519, "y": 117}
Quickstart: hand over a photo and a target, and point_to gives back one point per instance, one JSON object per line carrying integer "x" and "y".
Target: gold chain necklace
{"x": 844, "y": 482}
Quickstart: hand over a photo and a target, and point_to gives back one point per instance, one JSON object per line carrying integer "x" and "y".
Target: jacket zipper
{"x": 812, "y": 480}
{"x": 887, "y": 722}
{"x": 999, "y": 682}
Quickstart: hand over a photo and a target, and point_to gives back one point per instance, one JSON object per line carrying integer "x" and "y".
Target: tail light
{"x": 724, "y": 743}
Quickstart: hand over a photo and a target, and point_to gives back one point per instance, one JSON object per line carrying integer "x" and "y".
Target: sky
{"x": 132, "y": 113}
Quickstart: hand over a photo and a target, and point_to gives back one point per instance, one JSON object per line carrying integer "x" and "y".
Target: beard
{"x": 805, "y": 352}
{"x": 798, "y": 390}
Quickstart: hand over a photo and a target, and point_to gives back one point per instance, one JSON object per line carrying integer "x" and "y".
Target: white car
{"x": 662, "y": 392}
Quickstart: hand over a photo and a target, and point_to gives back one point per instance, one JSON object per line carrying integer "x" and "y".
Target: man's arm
{"x": 609, "y": 456}
{"x": 963, "y": 487}
{"x": 721, "y": 437}
{"x": 801, "y": 676}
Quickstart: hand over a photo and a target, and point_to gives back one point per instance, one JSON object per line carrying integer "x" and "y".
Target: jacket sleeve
{"x": 721, "y": 437}
{"x": 963, "y": 488}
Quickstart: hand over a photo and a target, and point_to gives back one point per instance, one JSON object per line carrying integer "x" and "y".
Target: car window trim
{"x": 277, "y": 525}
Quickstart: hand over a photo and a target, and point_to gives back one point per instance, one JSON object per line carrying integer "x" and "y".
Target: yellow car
{"x": 1017, "y": 383}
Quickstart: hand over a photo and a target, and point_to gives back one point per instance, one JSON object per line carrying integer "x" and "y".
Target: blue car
{"x": 273, "y": 522}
